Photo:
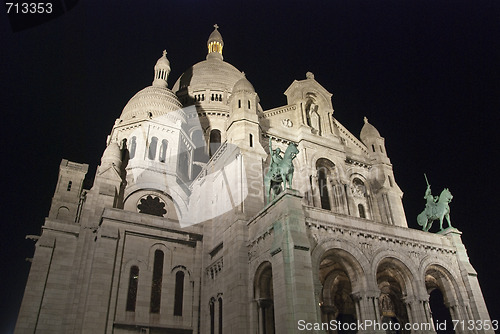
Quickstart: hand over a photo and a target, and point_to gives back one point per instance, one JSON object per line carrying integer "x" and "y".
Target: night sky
{"x": 426, "y": 73}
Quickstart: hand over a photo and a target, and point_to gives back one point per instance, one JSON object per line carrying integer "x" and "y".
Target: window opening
{"x": 132, "y": 288}
{"x": 154, "y": 306}
{"x": 179, "y": 293}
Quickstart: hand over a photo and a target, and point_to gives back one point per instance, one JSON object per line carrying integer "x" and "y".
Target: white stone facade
{"x": 175, "y": 235}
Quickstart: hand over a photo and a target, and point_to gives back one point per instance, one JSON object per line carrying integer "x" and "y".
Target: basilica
{"x": 210, "y": 215}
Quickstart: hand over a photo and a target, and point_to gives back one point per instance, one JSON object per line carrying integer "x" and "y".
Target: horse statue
{"x": 435, "y": 209}
{"x": 280, "y": 170}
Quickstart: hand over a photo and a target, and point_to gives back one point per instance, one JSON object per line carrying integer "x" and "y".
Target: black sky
{"x": 426, "y": 73}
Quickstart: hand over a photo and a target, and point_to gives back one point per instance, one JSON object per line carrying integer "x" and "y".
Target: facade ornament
{"x": 436, "y": 207}
{"x": 287, "y": 123}
{"x": 280, "y": 170}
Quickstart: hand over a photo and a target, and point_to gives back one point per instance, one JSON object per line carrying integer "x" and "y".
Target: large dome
{"x": 154, "y": 101}
{"x": 212, "y": 73}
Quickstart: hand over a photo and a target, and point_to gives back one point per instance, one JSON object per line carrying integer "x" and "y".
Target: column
{"x": 315, "y": 192}
{"x": 369, "y": 313}
{"x": 331, "y": 194}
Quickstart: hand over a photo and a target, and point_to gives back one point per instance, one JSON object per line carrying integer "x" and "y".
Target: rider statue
{"x": 430, "y": 200}
{"x": 276, "y": 158}
{"x": 436, "y": 208}
{"x": 280, "y": 173}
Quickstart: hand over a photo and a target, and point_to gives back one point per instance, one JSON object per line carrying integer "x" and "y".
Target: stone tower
{"x": 176, "y": 235}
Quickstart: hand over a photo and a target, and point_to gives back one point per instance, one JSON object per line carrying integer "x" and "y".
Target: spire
{"x": 162, "y": 70}
{"x": 215, "y": 44}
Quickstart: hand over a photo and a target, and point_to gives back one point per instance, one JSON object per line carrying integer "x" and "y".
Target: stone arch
{"x": 440, "y": 283}
{"x": 353, "y": 259}
{"x": 214, "y": 141}
{"x": 340, "y": 275}
{"x": 62, "y": 212}
{"x": 172, "y": 196}
{"x": 360, "y": 190}
{"x": 327, "y": 185}
{"x": 180, "y": 267}
{"x": 324, "y": 169}
{"x": 409, "y": 272}
{"x": 263, "y": 293}
{"x": 338, "y": 172}
{"x": 395, "y": 282}
{"x": 448, "y": 273}
{"x": 164, "y": 249}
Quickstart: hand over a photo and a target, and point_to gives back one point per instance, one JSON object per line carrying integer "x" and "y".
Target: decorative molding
{"x": 215, "y": 268}
{"x": 277, "y": 111}
{"x": 355, "y": 162}
{"x": 366, "y": 238}
{"x": 346, "y": 132}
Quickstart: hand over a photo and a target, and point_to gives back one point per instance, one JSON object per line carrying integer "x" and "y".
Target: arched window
{"x": 248, "y": 104}
{"x": 212, "y": 316}
{"x": 152, "y": 148}
{"x": 324, "y": 169}
{"x": 251, "y": 140}
{"x": 163, "y": 150}
{"x": 132, "y": 288}
{"x": 184, "y": 164}
{"x": 220, "y": 315}
{"x": 323, "y": 189}
{"x": 239, "y": 103}
{"x": 154, "y": 306}
{"x": 133, "y": 145}
{"x": 361, "y": 210}
{"x": 179, "y": 293}
{"x": 263, "y": 292}
{"x": 215, "y": 140}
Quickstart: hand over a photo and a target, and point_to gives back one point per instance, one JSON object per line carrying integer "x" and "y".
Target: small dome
{"x": 112, "y": 155}
{"x": 368, "y": 131}
{"x": 215, "y": 36}
{"x": 243, "y": 85}
{"x": 154, "y": 101}
{"x": 163, "y": 61}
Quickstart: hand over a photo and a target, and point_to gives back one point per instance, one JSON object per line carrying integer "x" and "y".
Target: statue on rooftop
{"x": 436, "y": 207}
{"x": 280, "y": 170}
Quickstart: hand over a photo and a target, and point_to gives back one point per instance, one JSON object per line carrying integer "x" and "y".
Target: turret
{"x": 387, "y": 192}
{"x": 374, "y": 142}
{"x": 243, "y": 124}
{"x": 66, "y": 200}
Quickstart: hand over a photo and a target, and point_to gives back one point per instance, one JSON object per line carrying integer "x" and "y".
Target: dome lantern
{"x": 162, "y": 70}
{"x": 215, "y": 44}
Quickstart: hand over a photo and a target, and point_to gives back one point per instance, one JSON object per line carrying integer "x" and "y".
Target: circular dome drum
{"x": 213, "y": 74}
